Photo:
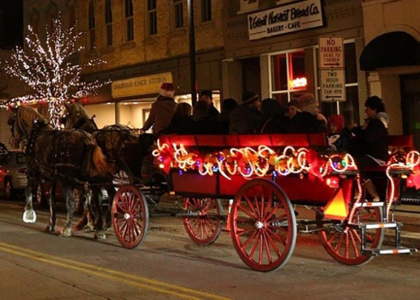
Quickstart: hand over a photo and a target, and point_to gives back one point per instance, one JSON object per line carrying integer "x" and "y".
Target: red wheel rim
{"x": 130, "y": 216}
{"x": 263, "y": 225}
{"x": 343, "y": 242}
{"x": 205, "y": 228}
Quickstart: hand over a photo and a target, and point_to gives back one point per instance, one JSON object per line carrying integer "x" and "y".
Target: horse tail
{"x": 100, "y": 166}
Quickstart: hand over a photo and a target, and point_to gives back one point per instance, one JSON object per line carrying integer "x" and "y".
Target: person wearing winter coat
{"x": 162, "y": 110}
{"x": 308, "y": 119}
{"x": 246, "y": 118}
{"x": 370, "y": 144}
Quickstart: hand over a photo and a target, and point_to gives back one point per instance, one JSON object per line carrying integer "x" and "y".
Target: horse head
{"x": 75, "y": 116}
{"x": 22, "y": 120}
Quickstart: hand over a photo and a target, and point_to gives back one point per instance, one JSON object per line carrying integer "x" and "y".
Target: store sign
{"x": 285, "y": 19}
{"x": 331, "y": 52}
{"x": 140, "y": 85}
{"x": 333, "y": 85}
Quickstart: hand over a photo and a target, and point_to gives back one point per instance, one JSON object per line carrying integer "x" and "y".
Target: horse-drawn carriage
{"x": 266, "y": 176}
{"x": 263, "y": 177}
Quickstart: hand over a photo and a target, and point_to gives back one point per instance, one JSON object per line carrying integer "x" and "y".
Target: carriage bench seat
{"x": 247, "y": 140}
{"x": 395, "y": 142}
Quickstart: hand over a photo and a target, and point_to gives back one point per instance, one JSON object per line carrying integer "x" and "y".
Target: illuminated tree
{"x": 49, "y": 68}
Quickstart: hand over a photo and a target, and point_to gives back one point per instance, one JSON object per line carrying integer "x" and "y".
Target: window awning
{"x": 390, "y": 50}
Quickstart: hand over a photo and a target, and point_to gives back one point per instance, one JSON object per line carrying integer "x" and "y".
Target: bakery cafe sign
{"x": 285, "y": 19}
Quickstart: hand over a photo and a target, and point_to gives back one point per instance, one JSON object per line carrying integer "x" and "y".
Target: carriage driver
{"x": 162, "y": 110}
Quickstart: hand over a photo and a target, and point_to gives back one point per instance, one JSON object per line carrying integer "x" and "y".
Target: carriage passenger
{"x": 207, "y": 95}
{"x": 339, "y": 137}
{"x": 162, "y": 110}
{"x": 309, "y": 119}
{"x": 246, "y": 118}
{"x": 204, "y": 122}
{"x": 273, "y": 116}
{"x": 182, "y": 122}
{"x": 370, "y": 145}
{"x": 223, "y": 119}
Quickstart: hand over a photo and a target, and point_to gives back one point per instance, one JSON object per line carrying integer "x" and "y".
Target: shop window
{"x": 129, "y": 19}
{"x": 152, "y": 17}
{"x": 288, "y": 76}
{"x": 92, "y": 36}
{"x": 178, "y": 9}
{"x": 205, "y": 10}
{"x": 108, "y": 22}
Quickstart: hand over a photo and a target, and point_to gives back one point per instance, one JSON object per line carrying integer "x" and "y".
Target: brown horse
{"x": 71, "y": 156}
{"x": 112, "y": 138}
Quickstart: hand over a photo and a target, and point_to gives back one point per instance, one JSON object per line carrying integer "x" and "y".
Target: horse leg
{"x": 52, "y": 223}
{"x": 99, "y": 222}
{"x": 68, "y": 191}
{"x": 29, "y": 216}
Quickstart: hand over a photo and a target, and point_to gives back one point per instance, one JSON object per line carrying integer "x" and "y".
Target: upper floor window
{"x": 178, "y": 6}
{"x": 152, "y": 16}
{"x": 129, "y": 19}
{"x": 206, "y": 10}
{"x": 92, "y": 37}
{"x": 108, "y": 22}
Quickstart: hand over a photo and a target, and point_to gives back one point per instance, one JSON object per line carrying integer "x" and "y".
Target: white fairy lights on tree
{"x": 49, "y": 70}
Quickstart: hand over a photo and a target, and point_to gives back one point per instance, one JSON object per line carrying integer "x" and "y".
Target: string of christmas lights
{"x": 49, "y": 70}
{"x": 250, "y": 162}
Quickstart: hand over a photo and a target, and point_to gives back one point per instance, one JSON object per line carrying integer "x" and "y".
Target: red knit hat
{"x": 337, "y": 121}
{"x": 167, "y": 90}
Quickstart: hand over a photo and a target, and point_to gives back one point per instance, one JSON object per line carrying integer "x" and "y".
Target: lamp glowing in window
{"x": 299, "y": 83}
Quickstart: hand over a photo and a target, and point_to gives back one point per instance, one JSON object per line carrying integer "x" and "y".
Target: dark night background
{"x": 11, "y": 23}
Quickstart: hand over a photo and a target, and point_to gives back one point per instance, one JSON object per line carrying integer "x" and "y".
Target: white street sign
{"x": 333, "y": 85}
{"x": 331, "y": 53}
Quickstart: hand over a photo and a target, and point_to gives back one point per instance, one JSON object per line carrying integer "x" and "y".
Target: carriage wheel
{"x": 130, "y": 216}
{"x": 343, "y": 242}
{"x": 205, "y": 228}
{"x": 263, "y": 225}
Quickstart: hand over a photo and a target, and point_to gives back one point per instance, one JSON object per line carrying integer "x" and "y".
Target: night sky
{"x": 11, "y": 23}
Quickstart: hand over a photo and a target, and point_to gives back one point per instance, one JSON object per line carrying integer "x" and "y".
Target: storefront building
{"x": 272, "y": 49}
{"x": 141, "y": 41}
{"x": 392, "y": 60}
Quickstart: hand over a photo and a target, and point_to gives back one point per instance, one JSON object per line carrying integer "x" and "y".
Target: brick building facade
{"x": 147, "y": 41}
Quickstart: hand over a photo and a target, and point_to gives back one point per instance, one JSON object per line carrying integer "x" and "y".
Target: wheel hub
{"x": 259, "y": 225}
{"x": 127, "y": 216}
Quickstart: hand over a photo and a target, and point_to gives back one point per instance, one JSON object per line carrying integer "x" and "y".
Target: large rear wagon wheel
{"x": 130, "y": 216}
{"x": 263, "y": 225}
{"x": 343, "y": 242}
{"x": 205, "y": 228}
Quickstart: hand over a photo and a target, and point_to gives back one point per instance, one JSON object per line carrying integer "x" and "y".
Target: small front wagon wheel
{"x": 263, "y": 225}
{"x": 130, "y": 216}
{"x": 204, "y": 228}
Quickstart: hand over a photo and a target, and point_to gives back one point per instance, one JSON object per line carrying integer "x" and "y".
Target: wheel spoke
{"x": 353, "y": 242}
{"x": 248, "y": 201}
{"x": 247, "y": 212}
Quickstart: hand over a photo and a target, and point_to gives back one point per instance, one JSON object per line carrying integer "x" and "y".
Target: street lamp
{"x": 192, "y": 52}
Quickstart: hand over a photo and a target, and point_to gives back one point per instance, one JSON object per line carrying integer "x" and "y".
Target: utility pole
{"x": 192, "y": 52}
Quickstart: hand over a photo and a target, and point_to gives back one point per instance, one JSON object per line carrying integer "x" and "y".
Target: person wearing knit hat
{"x": 207, "y": 95}
{"x": 308, "y": 120}
{"x": 339, "y": 137}
{"x": 292, "y": 108}
{"x": 162, "y": 110}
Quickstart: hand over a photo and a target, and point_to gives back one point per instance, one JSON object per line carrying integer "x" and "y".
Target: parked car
{"x": 12, "y": 173}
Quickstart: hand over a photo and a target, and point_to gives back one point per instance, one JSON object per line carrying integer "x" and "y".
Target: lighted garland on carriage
{"x": 250, "y": 162}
